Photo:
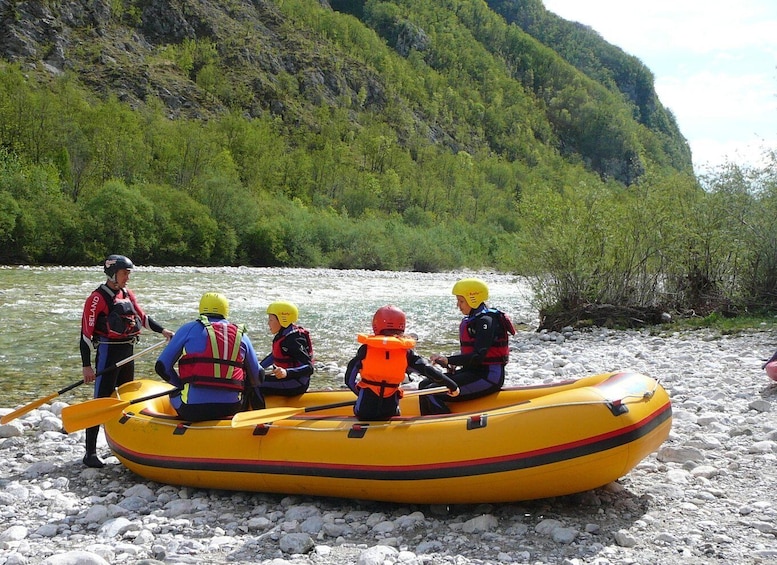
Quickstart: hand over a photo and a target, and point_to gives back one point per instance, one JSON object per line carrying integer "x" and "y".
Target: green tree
{"x": 187, "y": 233}
{"x": 40, "y": 224}
{"x": 121, "y": 219}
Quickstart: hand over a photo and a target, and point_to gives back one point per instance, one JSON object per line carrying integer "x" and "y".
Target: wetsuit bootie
{"x": 91, "y": 460}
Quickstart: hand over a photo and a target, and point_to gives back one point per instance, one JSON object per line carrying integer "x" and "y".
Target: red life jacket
{"x": 499, "y": 352}
{"x": 280, "y": 358}
{"x": 122, "y": 321}
{"x": 221, "y": 364}
{"x": 384, "y": 365}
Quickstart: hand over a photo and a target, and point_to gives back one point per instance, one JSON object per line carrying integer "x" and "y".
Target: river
{"x": 40, "y": 309}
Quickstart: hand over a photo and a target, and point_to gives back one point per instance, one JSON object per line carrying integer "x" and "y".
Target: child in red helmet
{"x": 381, "y": 363}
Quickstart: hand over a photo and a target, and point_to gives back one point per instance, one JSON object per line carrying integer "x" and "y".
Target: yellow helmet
{"x": 474, "y": 291}
{"x": 214, "y": 303}
{"x": 286, "y": 312}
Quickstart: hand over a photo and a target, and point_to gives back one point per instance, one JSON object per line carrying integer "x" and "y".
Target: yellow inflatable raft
{"x": 522, "y": 443}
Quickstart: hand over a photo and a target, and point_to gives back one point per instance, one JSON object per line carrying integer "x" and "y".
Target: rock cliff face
{"x": 200, "y": 58}
{"x": 113, "y": 48}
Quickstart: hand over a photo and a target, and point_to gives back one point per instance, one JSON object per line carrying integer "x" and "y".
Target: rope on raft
{"x": 526, "y": 407}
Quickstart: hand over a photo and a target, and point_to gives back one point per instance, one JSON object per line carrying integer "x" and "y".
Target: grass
{"x": 729, "y": 325}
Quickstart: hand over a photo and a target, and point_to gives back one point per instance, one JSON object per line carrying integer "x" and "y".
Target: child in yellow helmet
{"x": 290, "y": 364}
{"x": 483, "y": 335}
{"x": 214, "y": 359}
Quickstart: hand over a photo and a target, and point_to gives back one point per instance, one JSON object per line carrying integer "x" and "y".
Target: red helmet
{"x": 388, "y": 318}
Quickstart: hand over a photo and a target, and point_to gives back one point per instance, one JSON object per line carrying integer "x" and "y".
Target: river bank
{"x": 707, "y": 495}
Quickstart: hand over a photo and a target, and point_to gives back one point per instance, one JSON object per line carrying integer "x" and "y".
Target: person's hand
{"x": 279, "y": 372}
{"x": 88, "y": 374}
{"x": 454, "y": 392}
{"x": 440, "y": 360}
{"x": 168, "y": 334}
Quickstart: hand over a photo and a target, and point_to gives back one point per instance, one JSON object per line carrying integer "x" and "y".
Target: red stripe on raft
{"x": 534, "y": 458}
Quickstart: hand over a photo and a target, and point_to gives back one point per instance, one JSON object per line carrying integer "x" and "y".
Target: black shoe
{"x": 91, "y": 460}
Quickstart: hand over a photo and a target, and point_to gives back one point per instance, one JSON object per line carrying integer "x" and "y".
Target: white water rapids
{"x": 41, "y": 314}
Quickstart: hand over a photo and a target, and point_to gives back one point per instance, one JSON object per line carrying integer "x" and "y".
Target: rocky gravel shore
{"x": 706, "y": 496}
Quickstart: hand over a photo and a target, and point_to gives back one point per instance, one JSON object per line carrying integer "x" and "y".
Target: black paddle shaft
{"x": 112, "y": 367}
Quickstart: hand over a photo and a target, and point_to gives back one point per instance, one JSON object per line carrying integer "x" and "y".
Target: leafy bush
{"x": 121, "y": 219}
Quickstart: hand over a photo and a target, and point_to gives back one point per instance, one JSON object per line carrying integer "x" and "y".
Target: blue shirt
{"x": 193, "y": 338}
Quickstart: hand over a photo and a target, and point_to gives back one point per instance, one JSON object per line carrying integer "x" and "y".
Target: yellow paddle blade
{"x": 91, "y": 413}
{"x": 27, "y": 408}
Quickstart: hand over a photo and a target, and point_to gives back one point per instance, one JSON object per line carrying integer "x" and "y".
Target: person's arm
{"x": 297, "y": 348}
{"x": 165, "y": 363}
{"x": 267, "y": 361}
{"x": 419, "y": 365}
{"x": 93, "y": 307}
{"x": 85, "y": 348}
{"x": 156, "y": 327}
{"x": 254, "y": 371}
{"x": 148, "y": 322}
{"x": 353, "y": 368}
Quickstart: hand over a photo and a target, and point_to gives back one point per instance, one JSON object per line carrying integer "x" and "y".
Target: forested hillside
{"x": 605, "y": 63}
{"x": 407, "y": 134}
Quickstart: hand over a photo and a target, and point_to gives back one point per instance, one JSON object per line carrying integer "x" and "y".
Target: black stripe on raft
{"x": 469, "y": 467}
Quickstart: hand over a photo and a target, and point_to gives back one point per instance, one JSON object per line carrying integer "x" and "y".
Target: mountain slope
{"x": 605, "y": 63}
{"x": 453, "y": 73}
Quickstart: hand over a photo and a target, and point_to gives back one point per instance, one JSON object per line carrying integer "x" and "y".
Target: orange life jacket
{"x": 384, "y": 365}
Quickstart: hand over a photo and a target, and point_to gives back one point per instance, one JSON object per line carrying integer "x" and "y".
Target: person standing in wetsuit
{"x": 110, "y": 325}
{"x": 483, "y": 335}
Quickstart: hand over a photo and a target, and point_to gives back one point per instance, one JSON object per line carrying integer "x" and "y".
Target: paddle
{"x": 41, "y": 401}
{"x": 256, "y": 417}
{"x": 100, "y": 410}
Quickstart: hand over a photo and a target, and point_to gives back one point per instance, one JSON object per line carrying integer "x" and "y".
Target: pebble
{"x": 706, "y": 495}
